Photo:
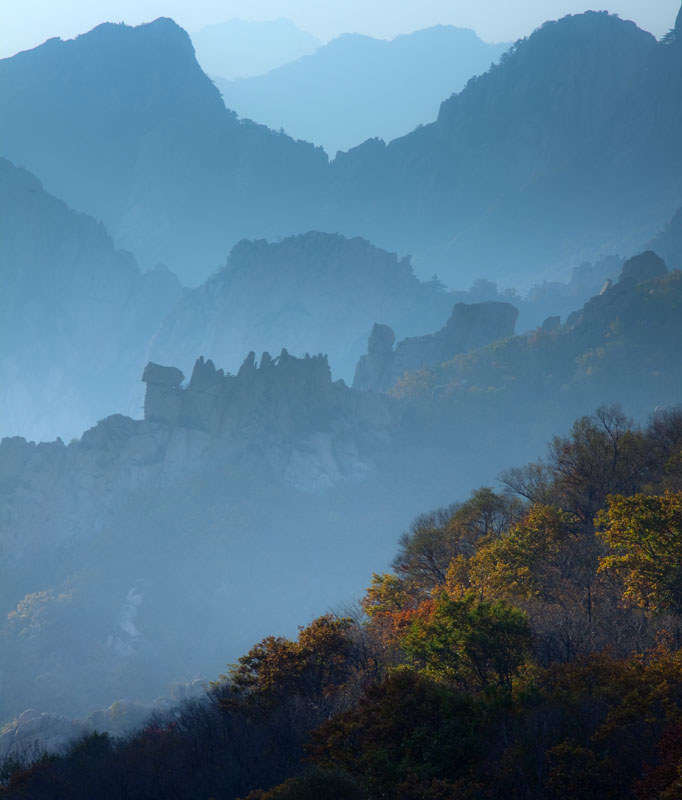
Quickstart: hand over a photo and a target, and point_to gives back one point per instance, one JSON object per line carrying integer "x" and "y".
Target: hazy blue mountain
{"x": 565, "y": 152}
{"x": 621, "y": 347}
{"x": 158, "y": 548}
{"x": 123, "y": 124}
{"x": 312, "y": 293}
{"x": 75, "y": 314}
{"x": 356, "y": 87}
{"x": 567, "y": 149}
{"x": 239, "y": 48}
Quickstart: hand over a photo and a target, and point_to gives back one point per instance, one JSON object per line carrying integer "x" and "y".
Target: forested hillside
{"x": 526, "y": 640}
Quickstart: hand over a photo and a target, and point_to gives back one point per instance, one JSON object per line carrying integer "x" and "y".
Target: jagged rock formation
{"x": 313, "y": 433}
{"x": 317, "y": 292}
{"x": 243, "y": 503}
{"x": 469, "y": 327}
{"x": 68, "y": 299}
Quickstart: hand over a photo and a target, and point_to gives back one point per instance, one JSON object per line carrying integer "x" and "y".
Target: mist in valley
{"x": 283, "y": 317}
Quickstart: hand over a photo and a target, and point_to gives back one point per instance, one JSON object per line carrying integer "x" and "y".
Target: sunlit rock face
{"x": 470, "y": 326}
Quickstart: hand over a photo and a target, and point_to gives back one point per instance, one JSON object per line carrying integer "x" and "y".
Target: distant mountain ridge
{"x": 316, "y": 292}
{"x": 239, "y": 48}
{"x": 566, "y": 151}
{"x": 122, "y": 123}
{"x": 278, "y": 465}
{"x": 356, "y": 87}
{"x": 75, "y": 314}
{"x": 554, "y": 154}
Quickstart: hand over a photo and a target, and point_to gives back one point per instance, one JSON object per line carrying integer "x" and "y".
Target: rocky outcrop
{"x": 163, "y": 397}
{"x": 35, "y": 733}
{"x": 283, "y": 414}
{"x": 469, "y": 327}
{"x": 373, "y": 371}
{"x": 643, "y": 267}
{"x": 616, "y": 298}
{"x": 317, "y": 292}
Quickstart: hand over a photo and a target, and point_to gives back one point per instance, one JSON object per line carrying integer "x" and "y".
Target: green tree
{"x": 645, "y": 534}
{"x": 469, "y": 642}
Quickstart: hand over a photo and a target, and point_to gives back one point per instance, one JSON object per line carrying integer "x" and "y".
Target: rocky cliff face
{"x": 469, "y": 327}
{"x": 228, "y": 489}
{"x": 312, "y": 293}
{"x": 75, "y": 314}
{"x": 287, "y": 411}
{"x": 243, "y": 503}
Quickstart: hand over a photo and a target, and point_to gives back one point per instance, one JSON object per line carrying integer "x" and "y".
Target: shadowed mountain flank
{"x": 122, "y": 123}
{"x": 75, "y": 314}
{"x": 565, "y": 151}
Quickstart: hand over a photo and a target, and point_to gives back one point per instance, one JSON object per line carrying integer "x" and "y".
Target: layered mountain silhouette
{"x": 122, "y": 123}
{"x": 356, "y": 87}
{"x": 568, "y": 147}
{"x": 566, "y": 151}
{"x": 311, "y": 293}
{"x": 280, "y": 466}
{"x": 75, "y": 314}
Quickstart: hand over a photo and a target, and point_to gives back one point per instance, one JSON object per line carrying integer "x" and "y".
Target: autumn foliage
{"x": 526, "y": 646}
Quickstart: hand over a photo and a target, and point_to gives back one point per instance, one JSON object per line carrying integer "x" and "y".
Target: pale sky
{"x": 27, "y": 23}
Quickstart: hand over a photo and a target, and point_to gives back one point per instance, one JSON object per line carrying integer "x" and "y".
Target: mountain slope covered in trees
{"x": 525, "y": 637}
